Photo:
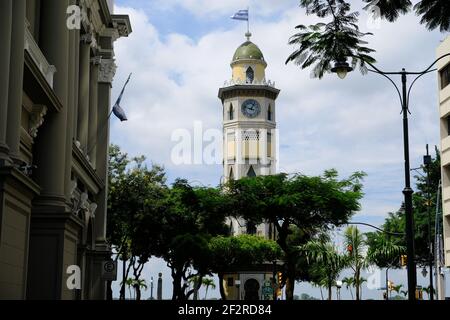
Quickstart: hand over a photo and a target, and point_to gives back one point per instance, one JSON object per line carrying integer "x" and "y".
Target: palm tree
{"x": 397, "y": 289}
{"x": 355, "y": 242}
{"x": 195, "y": 283}
{"x": 208, "y": 282}
{"x": 404, "y": 292}
{"x": 327, "y": 263}
{"x": 129, "y": 282}
{"x": 138, "y": 285}
{"x": 318, "y": 284}
{"x": 349, "y": 283}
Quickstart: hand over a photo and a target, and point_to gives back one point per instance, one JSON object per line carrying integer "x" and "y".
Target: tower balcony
{"x": 232, "y": 82}
{"x": 235, "y": 88}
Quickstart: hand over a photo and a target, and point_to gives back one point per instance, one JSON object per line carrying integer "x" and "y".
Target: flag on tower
{"x": 117, "y": 109}
{"x": 241, "y": 15}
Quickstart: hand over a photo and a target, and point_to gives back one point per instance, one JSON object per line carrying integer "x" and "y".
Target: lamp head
{"x": 424, "y": 272}
{"x": 341, "y": 68}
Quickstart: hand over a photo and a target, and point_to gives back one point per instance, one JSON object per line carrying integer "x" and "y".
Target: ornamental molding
{"x": 97, "y": 60}
{"x": 37, "y": 119}
{"x": 90, "y": 16}
{"x": 107, "y": 70}
{"x": 122, "y": 24}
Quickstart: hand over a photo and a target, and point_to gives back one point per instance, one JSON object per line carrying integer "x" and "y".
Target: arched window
{"x": 269, "y": 113}
{"x": 231, "y": 113}
{"x": 251, "y": 172}
{"x": 250, "y": 75}
{"x": 231, "y": 174}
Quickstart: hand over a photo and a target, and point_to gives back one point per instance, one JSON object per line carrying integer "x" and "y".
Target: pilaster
{"x": 16, "y": 79}
{"x": 5, "y": 54}
{"x": 51, "y": 143}
{"x": 84, "y": 91}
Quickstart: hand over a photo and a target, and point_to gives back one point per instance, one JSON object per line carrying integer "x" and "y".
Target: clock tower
{"x": 249, "y": 116}
{"x": 249, "y": 149}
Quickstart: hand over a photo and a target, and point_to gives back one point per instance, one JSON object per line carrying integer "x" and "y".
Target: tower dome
{"x": 248, "y": 51}
{"x": 248, "y": 63}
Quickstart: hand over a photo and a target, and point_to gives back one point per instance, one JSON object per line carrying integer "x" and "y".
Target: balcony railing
{"x": 233, "y": 82}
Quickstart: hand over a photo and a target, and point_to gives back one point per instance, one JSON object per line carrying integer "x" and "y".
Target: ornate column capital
{"x": 107, "y": 70}
{"x": 97, "y": 60}
{"x": 89, "y": 38}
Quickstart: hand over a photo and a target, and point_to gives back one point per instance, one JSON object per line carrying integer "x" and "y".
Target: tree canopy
{"x": 339, "y": 38}
{"x": 300, "y": 207}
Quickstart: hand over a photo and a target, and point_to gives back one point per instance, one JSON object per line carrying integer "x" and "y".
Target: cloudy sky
{"x": 180, "y": 53}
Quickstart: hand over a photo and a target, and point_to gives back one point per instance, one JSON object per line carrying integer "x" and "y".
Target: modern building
{"x": 444, "y": 112}
{"x": 56, "y": 68}
{"x": 250, "y": 149}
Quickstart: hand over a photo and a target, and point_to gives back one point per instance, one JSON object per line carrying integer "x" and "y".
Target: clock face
{"x": 251, "y": 108}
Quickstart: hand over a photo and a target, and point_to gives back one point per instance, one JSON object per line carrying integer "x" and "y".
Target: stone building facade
{"x": 55, "y": 87}
{"x": 444, "y": 113}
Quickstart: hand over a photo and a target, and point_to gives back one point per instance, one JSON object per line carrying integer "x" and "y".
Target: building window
{"x": 250, "y": 75}
{"x": 269, "y": 113}
{"x": 445, "y": 76}
{"x": 251, "y": 172}
{"x": 448, "y": 125}
{"x": 230, "y": 281}
{"x": 231, "y": 113}
{"x": 231, "y": 174}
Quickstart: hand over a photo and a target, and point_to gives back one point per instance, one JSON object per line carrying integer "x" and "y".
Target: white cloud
{"x": 208, "y": 8}
{"x": 350, "y": 125}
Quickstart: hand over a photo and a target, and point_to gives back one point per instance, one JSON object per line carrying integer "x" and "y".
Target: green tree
{"x": 337, "y": 40}
{"x": 326, "y": 263}
{"x": 193, "y": 216}
{"x": 323, "y": 44}
{"x": 134, "y": 200}
{"x": 355, "y": 242}
{"x": 395, "y": 221}
{"x": 240, "y": 252}
{"x": 208, "y": 282}
{"x": 349, "y": 283}
{"x": 310, "y": 204}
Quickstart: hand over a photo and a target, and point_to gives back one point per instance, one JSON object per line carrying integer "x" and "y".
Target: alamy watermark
{"x": 200, "y": 146}
{"x": 73, "y": 281}
{"x": 74, "y": 17}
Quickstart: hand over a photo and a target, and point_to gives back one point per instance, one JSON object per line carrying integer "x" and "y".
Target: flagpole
{"x": 248, "y": 20}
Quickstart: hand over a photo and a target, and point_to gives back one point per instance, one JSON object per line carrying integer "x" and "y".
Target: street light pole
{"x": 408, "y": 192}
{"x": 341, "y": 69}
{"x": 387, "y": 283}
{"x": 151, "y": 288}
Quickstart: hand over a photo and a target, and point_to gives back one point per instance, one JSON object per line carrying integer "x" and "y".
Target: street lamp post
{"x": 338, "y": 289}
{"x": 341, "y": 69}
{"x": 151, "y": 288}
{"x": 274, "y": 280}
{"x": 387, "y": 283}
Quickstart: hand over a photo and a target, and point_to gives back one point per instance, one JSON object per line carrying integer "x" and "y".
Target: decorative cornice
{"x": 122, "y": 24}
{"x": 107, "y": 71}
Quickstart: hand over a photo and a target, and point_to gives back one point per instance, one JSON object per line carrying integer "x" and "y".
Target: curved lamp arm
{"x": 427, "y": 70}
{"x": 379, "y": 229}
